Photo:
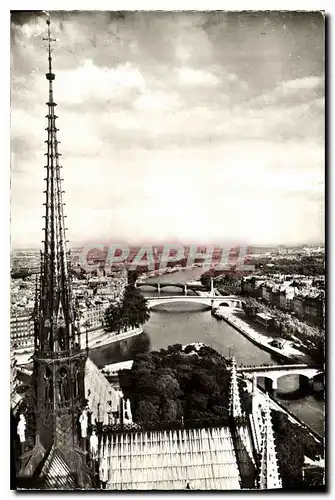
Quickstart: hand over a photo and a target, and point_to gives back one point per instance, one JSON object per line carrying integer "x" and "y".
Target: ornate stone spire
{"x": 56, "y": 297}
{"x": 58, "y": 361}
{"x": 269, "y": 477}
{"x": 234, "y": 398}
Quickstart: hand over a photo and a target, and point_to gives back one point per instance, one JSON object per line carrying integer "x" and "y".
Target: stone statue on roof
{"x": 103, "y": 472}
{"x": 83, "y": 420}
{"x": 94, "y": 445}
{"x": 128, "y": 418}
{"x": 21, "y": 428}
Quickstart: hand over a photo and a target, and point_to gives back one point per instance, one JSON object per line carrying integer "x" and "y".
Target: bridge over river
{"x": 206, "y": 300}
{"x": 157, "y": 285}
{"x": 273, "y": 373}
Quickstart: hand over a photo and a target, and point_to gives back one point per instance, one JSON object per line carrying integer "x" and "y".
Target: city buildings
{"x": 25, "y": 260}
{"x": 92, "y": 313}
{"x": 93, "y": 295}
{"x": 22, "y": 328}
{"x": 303, "y": 296}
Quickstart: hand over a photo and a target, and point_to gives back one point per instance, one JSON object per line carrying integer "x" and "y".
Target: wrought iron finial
{"x": 50, "y": 75}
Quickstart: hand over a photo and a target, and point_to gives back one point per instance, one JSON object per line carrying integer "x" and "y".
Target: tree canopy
{"x": 191, "y": 383}
{"x": 293, "y": 443}
{"x": 132, "y": 312}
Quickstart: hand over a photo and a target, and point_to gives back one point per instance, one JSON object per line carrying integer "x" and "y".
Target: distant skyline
{"x": 21, "y": 247}
{"x": 182, "y": 127}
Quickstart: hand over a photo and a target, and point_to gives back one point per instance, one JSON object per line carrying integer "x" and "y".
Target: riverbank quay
{"x": 111, "y": 337}
{"x": 286, "y": 354}
{"x": 276, "y": 405}
{"x": 99, "y": 338}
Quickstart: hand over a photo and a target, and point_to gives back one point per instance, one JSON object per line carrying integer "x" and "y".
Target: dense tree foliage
{"x": 205, "y": 278}
{"x": 227, "y": 283}
{"x": 178, "y": 383}
{"x": 293, "y": 443}
{"x": 133, "y": 276}
{"x": 301, "y": 264}
{"x": 132, "y": 312}
{"x": 317, "y": 349}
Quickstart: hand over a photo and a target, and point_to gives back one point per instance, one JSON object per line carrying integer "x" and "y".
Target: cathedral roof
{"x": 102, "y": 397}
{"x": 169, "y": 460}
{"x": 56, "y": 473}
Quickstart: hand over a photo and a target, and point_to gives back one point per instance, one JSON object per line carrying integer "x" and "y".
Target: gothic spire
{"x": 234, "y": 399}
{"x": 269, "y": 477}
{"x": 55, "y": 282}
{"x": 59, "y": 363}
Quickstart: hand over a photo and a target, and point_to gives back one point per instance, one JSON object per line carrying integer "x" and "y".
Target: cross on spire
{"x": 49, "y": 39}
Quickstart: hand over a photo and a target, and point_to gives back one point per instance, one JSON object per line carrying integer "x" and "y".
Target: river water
{"x": 184, "y": 323}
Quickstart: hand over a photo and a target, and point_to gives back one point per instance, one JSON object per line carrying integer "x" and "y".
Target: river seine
{"x": 184, "y": 323}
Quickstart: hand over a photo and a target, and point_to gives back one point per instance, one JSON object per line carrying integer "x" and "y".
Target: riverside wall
{"x": 261, "y": 345}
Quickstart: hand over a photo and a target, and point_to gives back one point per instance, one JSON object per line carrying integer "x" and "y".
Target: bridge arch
{"x": 271, "y": 378}
{"x": 318, "y": 382}
{"x": 161, "y": 286}
{"x": 181, "y": 286}
{"x": 178, "y": 299}
{"x": 142, "y": 285}
{"x": 300, "y": 382}
{"x": 268, "y": 382}
{"x": 208, "y": 301}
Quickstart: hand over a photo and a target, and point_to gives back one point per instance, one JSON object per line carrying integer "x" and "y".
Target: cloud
{"x": 172, "y": 125}
{"x": 156, "y": 101}
{"x": 90, "y": 82}
{"x": 309, "y": 82}
{"x": 189, "y": 76}
{"x": 292, "y": 92}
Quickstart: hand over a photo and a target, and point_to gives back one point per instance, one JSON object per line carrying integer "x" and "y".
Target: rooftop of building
{"x": 56, "y": 474}
{"x": 102, "y": 397}
{"x": 205, "y": 459}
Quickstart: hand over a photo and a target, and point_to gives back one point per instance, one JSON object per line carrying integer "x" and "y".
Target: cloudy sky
{"x": 184, "y": 126}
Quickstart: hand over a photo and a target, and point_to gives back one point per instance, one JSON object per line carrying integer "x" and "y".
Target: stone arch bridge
{"x": 209, "y": 301}
{"x": 275, "y": 372}
{"x": 183, "y": 286}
